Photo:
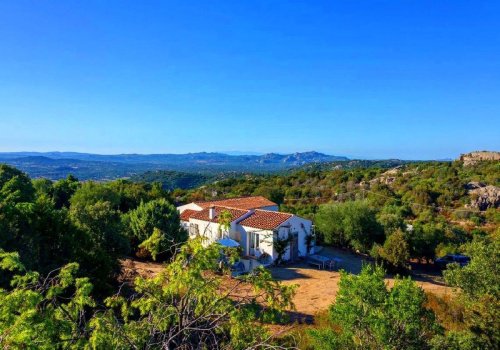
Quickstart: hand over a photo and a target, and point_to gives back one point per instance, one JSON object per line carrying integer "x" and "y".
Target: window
{"x": 194, "y": 230}
{"x": 254, "y": 240}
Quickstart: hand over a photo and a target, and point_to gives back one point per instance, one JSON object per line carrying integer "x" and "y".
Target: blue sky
{"x": 375, "y": 79}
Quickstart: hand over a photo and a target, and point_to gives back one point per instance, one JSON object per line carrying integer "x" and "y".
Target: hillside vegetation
{"x": 435, "y": 198}
{"x": 61, "y": 243}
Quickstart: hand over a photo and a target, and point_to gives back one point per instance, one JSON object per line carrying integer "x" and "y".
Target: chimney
{"x": 211, "y": 213}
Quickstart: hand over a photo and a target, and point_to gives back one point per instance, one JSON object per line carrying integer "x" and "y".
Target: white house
{"x": 256, "y": 224}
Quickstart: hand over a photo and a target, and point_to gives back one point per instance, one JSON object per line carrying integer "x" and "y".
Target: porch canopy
{"x": 228, "y": 242}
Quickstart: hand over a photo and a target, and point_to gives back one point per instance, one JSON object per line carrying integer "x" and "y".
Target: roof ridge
{"x": 234, "y": 208}
{"x": 237, "y": 211}
{"x": 274, "y": 211}
{"x": 227, "y": 199}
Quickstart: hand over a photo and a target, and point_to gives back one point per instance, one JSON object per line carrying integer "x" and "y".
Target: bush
{"x": 155, "y": 227}
{"x": 396, "y": 252}
{"x": 366, "y": 315}
{"x": 351, "y": 223}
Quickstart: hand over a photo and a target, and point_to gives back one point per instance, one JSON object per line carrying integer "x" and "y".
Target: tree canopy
{"x": 366, "y": 315}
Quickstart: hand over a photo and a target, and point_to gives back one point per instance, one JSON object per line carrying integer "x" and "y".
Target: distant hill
{"x": 354, "y": 164}
{"x": 85, "y": 166}
{"x": 188, "y": 158}
{"x": 171, "y": 180}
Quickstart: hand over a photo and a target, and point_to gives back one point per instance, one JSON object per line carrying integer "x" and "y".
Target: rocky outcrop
{"x": 483, "y": 196}
{"x": 474, "y": 157}
{"x": 391, "y": 175}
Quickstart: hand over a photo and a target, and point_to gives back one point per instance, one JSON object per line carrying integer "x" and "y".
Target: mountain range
{"x": 87, "y": 166}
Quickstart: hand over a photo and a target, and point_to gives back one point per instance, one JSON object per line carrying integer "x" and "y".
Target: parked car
{"x": 462, "y": 260}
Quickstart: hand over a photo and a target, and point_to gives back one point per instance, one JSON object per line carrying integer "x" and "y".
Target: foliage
{"x": 366, "y": 315}
{"x": 479, "y": 283}
{"x": 395, "y": 251}
{"x": 280, "y": 245}
{"x": 102, "y": 239}
{"x": 391, "y": 217}
{"x": 425, "y": 237}
{"x": 43, "y": 313}
{"x": 161, "y": 215}
{"x": 428, "y": 195}
{"x": 90, "y": 193}
{"x": 15, "y": 186}
{"x": 225, "y": 219}
{"x": 351, "y": 223}
{"x": 132, "y": 194}
{"x": 63, "y": 190}
{"x": 154, "y": 244}
{"x": 482, "y": 275}
{"x": 183, "y": 307}
{"x": 52, "y": 224}
{"x": 171, "y": 180}
{"x": 186, "y": 306}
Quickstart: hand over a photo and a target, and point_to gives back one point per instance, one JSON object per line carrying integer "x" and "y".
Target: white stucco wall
{"x": 266, "y": 239}
{"x": 303, "y": 228}
{"x": 210, "y": 230}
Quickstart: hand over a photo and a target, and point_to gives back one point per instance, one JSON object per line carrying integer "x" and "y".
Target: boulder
{"x": 474, "y": 157}
{"x": 483, "y": 196}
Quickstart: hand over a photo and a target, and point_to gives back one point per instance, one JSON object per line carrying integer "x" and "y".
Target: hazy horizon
{"x": 241, "y": 153}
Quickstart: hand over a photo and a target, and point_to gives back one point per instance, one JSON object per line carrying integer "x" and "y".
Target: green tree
{"x": 15, "y": 186}
{"x": 62, "y": 191}
{"x": 479, "y": 285}
{"x": 366, "y": 315}
{"x": 132, "y": 194}
{"x": 90, "y": 193}
{"x": 42, "y": 187}
{"x": 391, "y": 217}
{"x": 154, "y": 243}
{"x": 353, "y": 223}
{"x": 185, "y": 307}
{"x": 274, "y": 194}
{"x": 43, "y": 312}
{"x": 159, "y": 214}
{"x": 101, "y": 238}
{"x": 424, "y": 238}
{"x": 43, "y": 236}
{"x": 395, "y": 251}
{"x": 225, "y": 219}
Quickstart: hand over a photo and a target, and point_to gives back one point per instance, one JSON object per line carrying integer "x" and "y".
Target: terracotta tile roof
{"x": 203, "y": 214}
{"x": 245, "y": 203}
{"x": 186, "y": 214}
{"x": 265, "y": 219}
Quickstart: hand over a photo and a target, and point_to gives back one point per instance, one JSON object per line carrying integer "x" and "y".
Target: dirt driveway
{"x": 317, "y": 288}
